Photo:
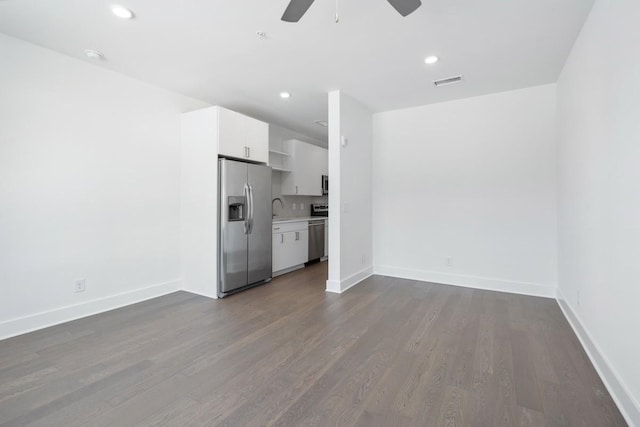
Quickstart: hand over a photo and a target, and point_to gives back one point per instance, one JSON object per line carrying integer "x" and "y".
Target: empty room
{"x": 172, "y": 254}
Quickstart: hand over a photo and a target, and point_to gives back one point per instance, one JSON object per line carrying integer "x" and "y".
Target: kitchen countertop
{"x": 277, "y": 220}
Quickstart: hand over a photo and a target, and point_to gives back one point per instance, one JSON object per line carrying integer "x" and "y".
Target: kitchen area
{"x": 261, "y": 189}
{"x": 300, "y": 188}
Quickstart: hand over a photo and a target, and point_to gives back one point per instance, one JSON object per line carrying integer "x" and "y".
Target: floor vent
{"x": 447, "y": 81}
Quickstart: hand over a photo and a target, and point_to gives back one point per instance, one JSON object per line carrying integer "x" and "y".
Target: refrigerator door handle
{"x": 250, "y": 209}
{"x": 247, "y": 203}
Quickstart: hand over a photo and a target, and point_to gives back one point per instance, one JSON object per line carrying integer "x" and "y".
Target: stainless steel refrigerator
{"x": 244, "y": 210}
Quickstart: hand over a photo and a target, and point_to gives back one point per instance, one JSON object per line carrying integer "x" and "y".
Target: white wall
{"x": 278, "y": 135}
{"x": 473, "y": 180}
{"x": 89, "y": 188}
{"x": 599, "y": 213}
{"x": 350, "y": 217}
{"x": 199, "y": 202}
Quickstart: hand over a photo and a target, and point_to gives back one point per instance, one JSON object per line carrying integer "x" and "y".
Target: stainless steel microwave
{"x": 325, "y": 184}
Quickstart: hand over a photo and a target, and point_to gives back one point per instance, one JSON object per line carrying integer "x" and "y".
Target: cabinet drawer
{"x": 290, "y": 226}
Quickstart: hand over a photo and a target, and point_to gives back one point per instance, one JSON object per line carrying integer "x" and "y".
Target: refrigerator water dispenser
{"x": 236, "y": 208}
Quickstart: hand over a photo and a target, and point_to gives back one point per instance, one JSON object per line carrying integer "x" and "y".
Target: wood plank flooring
{"x": 388, "y": 352}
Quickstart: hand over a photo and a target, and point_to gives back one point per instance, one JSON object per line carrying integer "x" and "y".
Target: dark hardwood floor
{"x": 388, "y": 352}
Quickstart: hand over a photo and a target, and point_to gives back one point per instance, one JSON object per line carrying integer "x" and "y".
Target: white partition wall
{"x": 350, "y": 151}
{"x": 599, "y": 223}
{"x": 199, "y": 202}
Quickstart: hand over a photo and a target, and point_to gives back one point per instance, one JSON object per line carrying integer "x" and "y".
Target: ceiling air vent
{"x": 447, "y": 81}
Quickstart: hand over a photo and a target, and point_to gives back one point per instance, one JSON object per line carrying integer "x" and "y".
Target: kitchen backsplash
{"x": 302, "y": 205}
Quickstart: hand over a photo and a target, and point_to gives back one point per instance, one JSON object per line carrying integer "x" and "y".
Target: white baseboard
{"x": 629, "y": 407}
{"x": 22, "y": 325}
{"x": 210, "y": 295}
{"x": 339, "y": 287}
{"x": 486, "y": 283}
{"x": 333, "y": 286}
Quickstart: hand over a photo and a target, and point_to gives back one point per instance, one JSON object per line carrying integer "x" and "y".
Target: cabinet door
{"x": 316, "y": 170}
{"x": 305, "y": 172}
{"x": 257, "y": 140}
{"x": 231, "y": 134}
{"x": 303, "y": 161}
{"x": 289, "y": 179}
{"x": 290, "y": 249}
{"x": 300, "y": 247}
{"x": 279, "y": 252}
{"x": 297, "y": 182}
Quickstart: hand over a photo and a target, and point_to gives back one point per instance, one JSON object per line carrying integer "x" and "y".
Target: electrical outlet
{"x": 294, "y": 206}
{"x": 449, "y": 261}
{"x": 301, "y": 206}
{"x": 79, "y": 286}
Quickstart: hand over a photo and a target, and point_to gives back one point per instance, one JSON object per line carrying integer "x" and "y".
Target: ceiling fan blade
{"x": 405, "y": 7}
{"x": 296, "y": 9}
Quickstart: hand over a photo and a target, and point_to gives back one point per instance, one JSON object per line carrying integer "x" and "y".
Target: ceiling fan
{"x": 297, "y": 8}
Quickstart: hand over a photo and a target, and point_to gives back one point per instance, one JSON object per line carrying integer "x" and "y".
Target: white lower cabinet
{"x": 290, "y": 245}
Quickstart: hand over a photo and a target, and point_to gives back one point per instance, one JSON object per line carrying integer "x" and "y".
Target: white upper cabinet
{"x": 307, "y": 164}
{"x": 242, "y": 137}
{"x": 231, "y": 133}
{"x": 257, "y": 140}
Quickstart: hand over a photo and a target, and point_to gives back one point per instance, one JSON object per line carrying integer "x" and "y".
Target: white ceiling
{"x": 208, "y": 49}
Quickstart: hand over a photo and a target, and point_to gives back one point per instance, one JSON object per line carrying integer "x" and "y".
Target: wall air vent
{"x": 447, "y": 81}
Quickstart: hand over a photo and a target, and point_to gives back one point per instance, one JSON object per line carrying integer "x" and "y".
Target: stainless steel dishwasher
{"x": 316, "y": 239}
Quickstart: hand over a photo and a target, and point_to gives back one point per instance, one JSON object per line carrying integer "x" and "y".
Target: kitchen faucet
{"x": 273, "y": 215}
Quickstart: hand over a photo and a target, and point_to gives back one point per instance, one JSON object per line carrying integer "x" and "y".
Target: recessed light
{"x": 94, "y": 54}
{"x": 322, "y": 123}
{"x": 122, "y": 12}
{"x": 431, "y": 59}
{"x": 285, "y": 95}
